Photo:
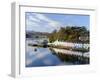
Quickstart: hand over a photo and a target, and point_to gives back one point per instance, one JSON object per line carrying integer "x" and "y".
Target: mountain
{"x": 30, "y": 34}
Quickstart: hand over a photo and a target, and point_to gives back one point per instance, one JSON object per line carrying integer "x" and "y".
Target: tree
{"x": 69, "y": 33}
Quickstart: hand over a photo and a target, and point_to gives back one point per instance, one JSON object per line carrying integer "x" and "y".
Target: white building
{"x": 70, "y": 44}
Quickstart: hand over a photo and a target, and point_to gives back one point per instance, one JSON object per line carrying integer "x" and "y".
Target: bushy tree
{"x": 69, "y": 33}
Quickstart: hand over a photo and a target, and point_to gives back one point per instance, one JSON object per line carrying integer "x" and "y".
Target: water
{"x": 39, "y": 56}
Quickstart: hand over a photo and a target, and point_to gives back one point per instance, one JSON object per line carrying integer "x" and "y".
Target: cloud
{"x": 50, "y": 22}
{"x": 40, "y": 22}
{"x": 32, "y": 56}
{"x": 30, "y": 25}
{"x": 48, "y": 62}
{"x": 31, "y": 17}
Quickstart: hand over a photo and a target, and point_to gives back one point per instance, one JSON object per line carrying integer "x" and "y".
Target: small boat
{"x": 35, "y": 49}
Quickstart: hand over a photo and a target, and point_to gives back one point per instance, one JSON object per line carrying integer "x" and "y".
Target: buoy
{"x": 35, "y": 49}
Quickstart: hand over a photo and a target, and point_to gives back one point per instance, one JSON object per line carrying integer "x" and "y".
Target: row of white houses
{"x": 70, "y": 44}
{"x": 59, "y": 43}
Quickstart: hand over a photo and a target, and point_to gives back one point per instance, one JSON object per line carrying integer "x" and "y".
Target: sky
{"x": 48, "y": 22}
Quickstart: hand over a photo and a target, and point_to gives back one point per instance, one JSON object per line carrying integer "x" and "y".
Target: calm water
{"x": 38, "y": 56}
{"x": 41, "y": 57}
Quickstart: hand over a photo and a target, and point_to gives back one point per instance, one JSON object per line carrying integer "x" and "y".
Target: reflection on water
{"x": 41, "y": 57}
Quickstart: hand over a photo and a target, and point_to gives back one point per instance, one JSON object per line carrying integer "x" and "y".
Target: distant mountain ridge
{"x": 32, "y": 33}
